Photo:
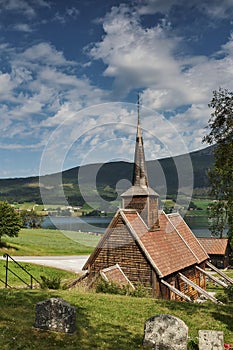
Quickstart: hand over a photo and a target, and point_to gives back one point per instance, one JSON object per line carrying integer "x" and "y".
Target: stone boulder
{"x": 211, "y": 340}
{"x": 165, "y": 332}
{"x": 56, "y": 315}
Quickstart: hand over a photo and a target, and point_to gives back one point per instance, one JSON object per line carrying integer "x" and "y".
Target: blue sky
{"x": 70, "y": 72}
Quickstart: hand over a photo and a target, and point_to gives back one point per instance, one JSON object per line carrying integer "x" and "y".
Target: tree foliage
{"x": 220, "y": 128}
{"x": 31, "y": 219}
{"x": 10, "y": 221}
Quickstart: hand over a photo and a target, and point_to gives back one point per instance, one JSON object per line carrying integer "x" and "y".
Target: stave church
{"x": 144, "y": 245}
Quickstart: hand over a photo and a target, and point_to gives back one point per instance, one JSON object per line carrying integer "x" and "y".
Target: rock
{"x": 165, "y": 332}
{"x": 211, "y": 340}
{"x": 55, "y": 314}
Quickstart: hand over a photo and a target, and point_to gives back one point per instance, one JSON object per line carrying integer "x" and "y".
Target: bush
{"x": 140, "y": 292}
{"x": 111, "y": 287}
{"x": 50, "y": 282}
{"x": 103, "y": 286}
{"x": 229, "y": 293}
{"x": 222, "y": 297}
{"x": 227, "y": 297}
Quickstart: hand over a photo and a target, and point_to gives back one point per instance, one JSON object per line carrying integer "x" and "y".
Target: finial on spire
{"x": 138, "y": 105}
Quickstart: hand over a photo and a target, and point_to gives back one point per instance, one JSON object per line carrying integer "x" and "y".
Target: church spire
{"x": 139, "y": 172}
{"x": 140, "y": 196}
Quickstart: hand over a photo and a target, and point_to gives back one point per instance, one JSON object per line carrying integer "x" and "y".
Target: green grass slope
{"x": 104, "y": 322}
{"x": 49, "y": 242}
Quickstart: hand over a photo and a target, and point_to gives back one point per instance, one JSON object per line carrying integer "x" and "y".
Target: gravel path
{"x": 72, "y": 263}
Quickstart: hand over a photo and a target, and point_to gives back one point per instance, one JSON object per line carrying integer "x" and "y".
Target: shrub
{"x": 229, "y": 292}
{"x": 111, "y": 287}
{"x": 227, "y": 296}
{"x": 140, "y": 291}
{"x": 50, "y": 282}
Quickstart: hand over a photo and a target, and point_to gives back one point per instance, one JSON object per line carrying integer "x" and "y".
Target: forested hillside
{"x": 163, "y": 176}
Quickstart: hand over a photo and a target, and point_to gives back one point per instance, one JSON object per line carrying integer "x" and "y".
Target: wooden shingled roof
{"x": 168, "y": 249}
{"x": 115, "y": 274}
{"x": 216, "y": 246}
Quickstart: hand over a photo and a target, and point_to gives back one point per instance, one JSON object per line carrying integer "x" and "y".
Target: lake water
{"x": 199, "y": 225}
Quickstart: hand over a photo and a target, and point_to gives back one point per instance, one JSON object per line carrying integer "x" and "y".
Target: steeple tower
{"x": 140, "y": 196}
{"x": 139, "y": 174}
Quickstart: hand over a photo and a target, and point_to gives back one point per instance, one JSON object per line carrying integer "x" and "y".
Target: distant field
{"x": 49, "y": 242}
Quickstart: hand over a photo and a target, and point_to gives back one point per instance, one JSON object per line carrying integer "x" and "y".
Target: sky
{"x": 70, "y": 72}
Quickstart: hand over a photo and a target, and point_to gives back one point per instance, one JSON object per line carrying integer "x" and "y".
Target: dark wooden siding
{"x": 221, "y": 261}
{"x": 121, "y": 248}
{"x": 147, "y": 207}
{"x": 193, "y": 275}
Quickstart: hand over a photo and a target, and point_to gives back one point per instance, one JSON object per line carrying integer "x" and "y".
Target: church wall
{"x": 146, "y": 206}
{"x": 193, "y": 275}
{"x": 121, "y": 248}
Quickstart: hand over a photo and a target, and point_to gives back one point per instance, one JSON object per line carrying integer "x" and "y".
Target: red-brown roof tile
{"x": 170, "y": 248}
{"x": 216, "y": 246}
{"x": 186, "y": 233}
{"x": 115, "y": 274}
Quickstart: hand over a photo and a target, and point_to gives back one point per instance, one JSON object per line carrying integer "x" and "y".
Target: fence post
{"x": 6, "y": 281}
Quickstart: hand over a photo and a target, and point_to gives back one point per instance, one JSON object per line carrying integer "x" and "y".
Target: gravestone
{"x": 211, "y": 340}
{"x": 55, "y": 314}
{"x": 165, "y": 332}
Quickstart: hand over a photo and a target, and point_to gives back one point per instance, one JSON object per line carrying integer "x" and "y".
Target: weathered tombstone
{"x": 211, "y": 340}
{"x": 165, "y": 332}
{"x": 55, "y": 314}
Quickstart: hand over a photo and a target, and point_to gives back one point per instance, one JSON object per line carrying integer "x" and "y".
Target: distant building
{"x": 146, "y": 246}
{"x": 219, "y": 251}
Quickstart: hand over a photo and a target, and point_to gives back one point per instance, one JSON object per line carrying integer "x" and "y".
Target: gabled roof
{"x": 167, "y": 249}
{"x": 185, "y": 231}
{"x": 115, "y": 274}
{"x": 217, "y": 246}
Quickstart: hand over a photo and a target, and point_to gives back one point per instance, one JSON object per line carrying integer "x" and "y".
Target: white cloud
{"x": 136, "y": 57}
{"x": 6, "y": 86}
{"x": 44, "y": 54}
{"x": 69, "y": 14}
{"x": 148, "y": 59}
{"x": 24, "y": 7}
{"x": 213, "y": 9}
{"x": 39, "y": 93}
{"x": 22, "y": 27}
{"x": 150, "y": 7}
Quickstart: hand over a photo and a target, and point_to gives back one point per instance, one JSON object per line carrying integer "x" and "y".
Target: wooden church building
{"x": 143, "y": 245}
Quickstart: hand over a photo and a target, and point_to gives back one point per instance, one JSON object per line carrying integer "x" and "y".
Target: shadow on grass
{"x": 101, "y": 324}
{"x": 17, "y": 321}
{"x": 225, "y": 316}
{"x": 6, "y": 246}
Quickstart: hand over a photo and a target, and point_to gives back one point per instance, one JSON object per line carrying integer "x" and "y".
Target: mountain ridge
{"x": 109, "y": 176}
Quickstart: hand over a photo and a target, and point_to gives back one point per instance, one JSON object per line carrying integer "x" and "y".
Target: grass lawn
{"x": 110, "y": 322}
{"x": 49, "y": 242}
{"x": 201, "y": 204}
{"x": 104, "y": 322}
{"x": 35, "y": 270}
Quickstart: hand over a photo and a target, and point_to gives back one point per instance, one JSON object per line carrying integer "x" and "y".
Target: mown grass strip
{"x": 49, "y": 242}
